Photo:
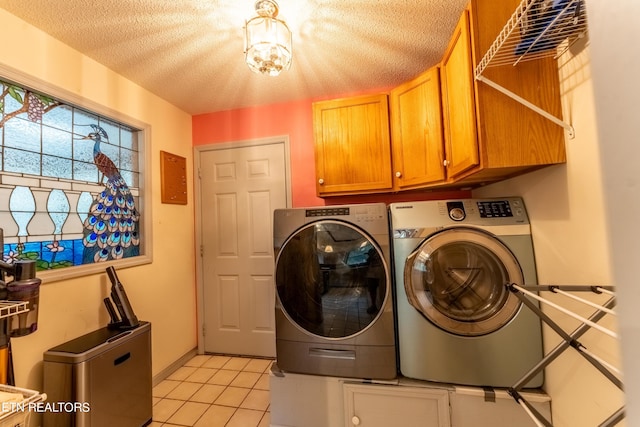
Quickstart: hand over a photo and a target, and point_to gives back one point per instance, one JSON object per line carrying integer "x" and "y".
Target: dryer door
{"x": 456, "y": 279}
{"x": 331, "y": 279}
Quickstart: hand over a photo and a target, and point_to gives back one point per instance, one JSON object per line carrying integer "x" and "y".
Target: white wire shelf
{"x": 11, "y": 308}
{"x": 537, "y": 29}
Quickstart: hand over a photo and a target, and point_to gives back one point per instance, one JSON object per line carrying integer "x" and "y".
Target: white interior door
{"x": 239, "y": 190}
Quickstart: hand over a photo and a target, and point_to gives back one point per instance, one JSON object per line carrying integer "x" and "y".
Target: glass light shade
{"x": 267, "y": 45}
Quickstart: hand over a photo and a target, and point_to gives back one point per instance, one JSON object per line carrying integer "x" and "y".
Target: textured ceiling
{"x": 190, "y": 52}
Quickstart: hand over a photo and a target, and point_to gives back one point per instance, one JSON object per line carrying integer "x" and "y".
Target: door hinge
{"x": 204, "y": 330}
{"x": 201, "y": 251}
{"x": 199, "y": 174}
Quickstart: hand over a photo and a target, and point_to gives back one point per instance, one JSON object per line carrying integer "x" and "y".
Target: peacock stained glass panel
{"x": 69, "y": 182}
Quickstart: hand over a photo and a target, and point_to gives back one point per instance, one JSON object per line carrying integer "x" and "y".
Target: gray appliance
{"x": 457, "y": 321}
{"x": 334, "y": 309}
{"x": 106, "y": 374}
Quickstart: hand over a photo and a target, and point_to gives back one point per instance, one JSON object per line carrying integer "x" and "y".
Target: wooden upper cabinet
{"x": 448, "y": 129}
{"x": 461, "y": 142}
{"x": 416, "y": 132}
{"x": 513, "y": 138}
{"x": 490, "y": 136}
{"x": 352, "y": 145}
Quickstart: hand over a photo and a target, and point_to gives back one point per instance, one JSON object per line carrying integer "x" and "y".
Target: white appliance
{"x": 334, "y": 310}
{"x": 457, "y": 320}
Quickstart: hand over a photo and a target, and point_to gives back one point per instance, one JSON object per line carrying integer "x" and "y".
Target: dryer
{"x": 457, "y": 321}
{"x": 334, "y": 310}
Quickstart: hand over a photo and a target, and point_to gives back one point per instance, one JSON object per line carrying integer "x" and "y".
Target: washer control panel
{"x": 338, "y": 211}
{"x": 366, "y": 213}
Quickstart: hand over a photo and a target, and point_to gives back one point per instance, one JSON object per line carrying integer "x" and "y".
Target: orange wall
{"x": 292, "y": 119}
{"x": 295, "y": 120}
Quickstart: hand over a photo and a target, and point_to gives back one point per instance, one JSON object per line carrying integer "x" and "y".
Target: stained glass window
{"x": 70, "y": 182}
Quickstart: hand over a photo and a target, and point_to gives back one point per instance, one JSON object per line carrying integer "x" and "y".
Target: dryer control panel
{"x": 492, "y": 209}
{"x": 456, "y": 211}
{"x": 485, "y": 209}
{"x": 412, "y": 219}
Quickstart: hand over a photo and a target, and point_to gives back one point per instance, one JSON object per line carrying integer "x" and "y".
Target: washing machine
{"x": 334, "y": 310}
{"x": 457, "y": 321}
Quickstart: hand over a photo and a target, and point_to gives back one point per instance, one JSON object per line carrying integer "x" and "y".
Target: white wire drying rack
{"x": 16, "y": 414}
{"x": 537, "y": 29}
{"x": 529, "y": 294}
{"x": 11, "y": 308}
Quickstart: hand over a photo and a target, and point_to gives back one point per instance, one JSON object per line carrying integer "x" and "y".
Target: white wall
{"x": 616, "y": 68}
{"x": 162, "y": 292}
{"x": 568, "y": 216}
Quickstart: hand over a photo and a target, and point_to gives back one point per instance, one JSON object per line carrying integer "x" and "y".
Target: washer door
{"x": 456, "y": 279}
{"x": 331, "y": 279}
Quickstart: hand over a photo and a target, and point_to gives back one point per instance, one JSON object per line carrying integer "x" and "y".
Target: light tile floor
{"x": 214, "y": 391}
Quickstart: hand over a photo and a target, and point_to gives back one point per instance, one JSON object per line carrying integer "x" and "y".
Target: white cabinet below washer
{"x": 379, "y": 405}
{"x": 299, "y": 400}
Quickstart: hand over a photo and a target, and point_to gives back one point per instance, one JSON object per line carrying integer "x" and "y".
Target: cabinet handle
{"x": 398, "y": 174}
{"x": 446, "y": 163}
{"x": 321, "y": 181}
{"x": 355, "y": 420}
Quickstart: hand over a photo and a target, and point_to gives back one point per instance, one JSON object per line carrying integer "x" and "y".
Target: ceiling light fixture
{"x": 267, "y": 47}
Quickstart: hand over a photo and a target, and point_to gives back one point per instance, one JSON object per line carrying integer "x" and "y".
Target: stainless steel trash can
{"x": 101, "y": 379}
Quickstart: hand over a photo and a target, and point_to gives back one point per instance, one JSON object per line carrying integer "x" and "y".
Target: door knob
{"x": 445, "y": 163}
{"x": 355, "y": 420}
{"x": 398, "y": 174}
{"x": 321, "y": 181}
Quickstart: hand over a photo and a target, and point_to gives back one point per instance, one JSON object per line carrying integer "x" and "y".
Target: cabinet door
{"x": 459, "y": 103}
{"x": 305, "y": 400}
{"x": 352, "y": 145}
{"x": 416, "y": 132}
{"x": 374, "y": 405}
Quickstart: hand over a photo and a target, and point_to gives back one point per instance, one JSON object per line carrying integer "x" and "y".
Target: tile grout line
{"x": 226, "y": 386}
